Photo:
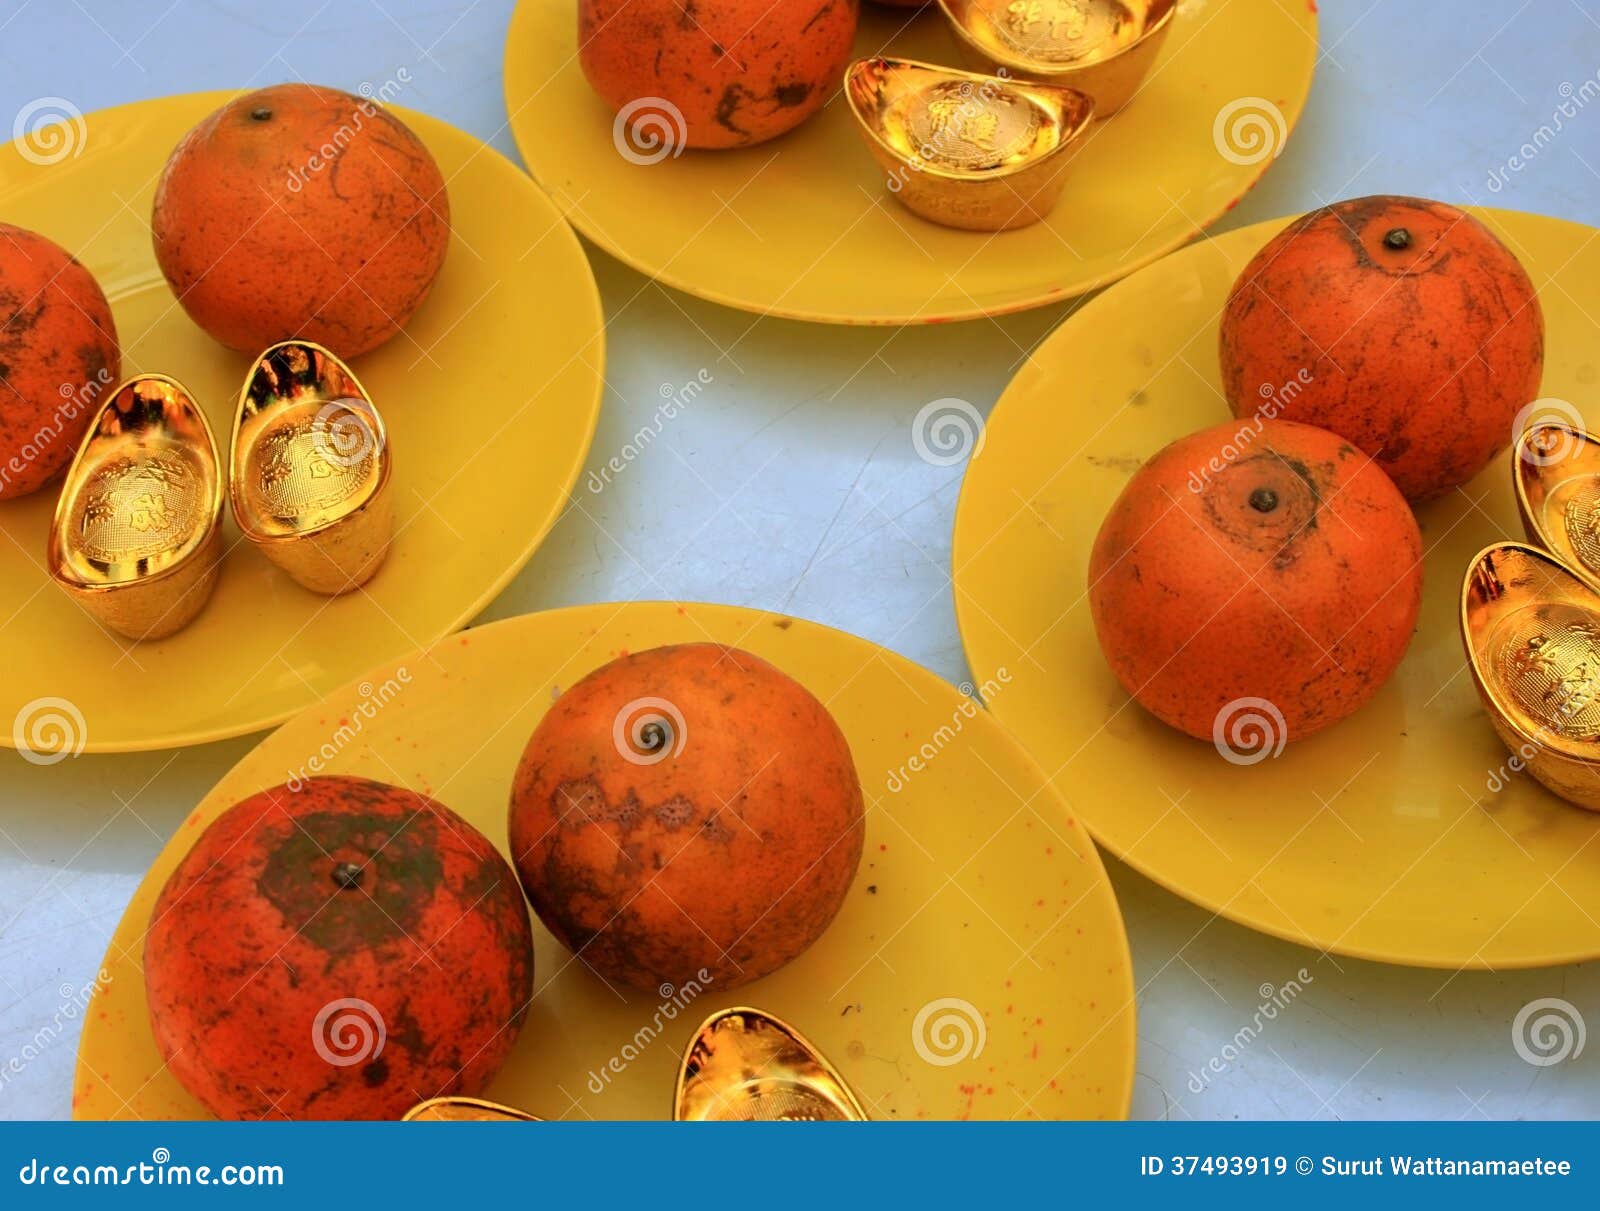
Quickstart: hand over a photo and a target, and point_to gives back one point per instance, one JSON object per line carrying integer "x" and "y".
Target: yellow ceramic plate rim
{"x": 101, "y": 1045}
{"x": 1410, "y": 947}
{"x": 517, "y": 82}
{"x": 433, "y": 131}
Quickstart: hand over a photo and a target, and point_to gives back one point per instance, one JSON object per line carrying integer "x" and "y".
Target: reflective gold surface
{"x": 464, "y": 1110}
{"x": 1556, "y": 472}
{"x": 1104, "y": 47}
{"x": 310, "y": 468}
{"x": 1532, "y": 633}
{"x": 136, "y": 534}
{"x": 962, "y": 149}
{"x": 744, "y": 1065}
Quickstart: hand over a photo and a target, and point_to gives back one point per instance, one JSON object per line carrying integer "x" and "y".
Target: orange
{"x": 1401, "y": 324}
{"x": 686, "y": 813}
{"x": 686, "y": 74}
{"x": 1257, "y": 569}
{"x": 59, "y": 358}
{"x": 337, "y": 948}
{"x": 301, "y": 212}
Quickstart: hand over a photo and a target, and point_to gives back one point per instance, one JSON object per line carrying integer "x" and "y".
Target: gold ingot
{"x": 310, "y": 469}
{"x": 744, "y": 1065}
{"x": 1102, "y": 47}
{"x": 1531, "y": 628}
{"x": 1556, "y": 477}
{"x": 966, "y": 150}
{"x": 464, "y": 1110}
{"x": 136, "y": 538}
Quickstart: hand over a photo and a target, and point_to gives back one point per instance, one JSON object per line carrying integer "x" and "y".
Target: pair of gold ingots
{"x": 1530, "y": 616}
{"x": 137, "y": 535}
{"x": 985, "y": 150}
{"x": 742, "y": 1065}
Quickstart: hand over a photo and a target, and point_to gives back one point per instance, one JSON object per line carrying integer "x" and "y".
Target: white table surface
{"x": 1410, "y": 97}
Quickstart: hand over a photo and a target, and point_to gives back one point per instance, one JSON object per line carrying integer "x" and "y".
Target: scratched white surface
{"x": 792, "y": 484}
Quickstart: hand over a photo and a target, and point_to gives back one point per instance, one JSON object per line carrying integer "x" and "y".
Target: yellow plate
{"x": 491, "y": 397}
{"x": 804, "y": 226}
{"x": 981, "y": 921}
{"x": 1380, "y": 837}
